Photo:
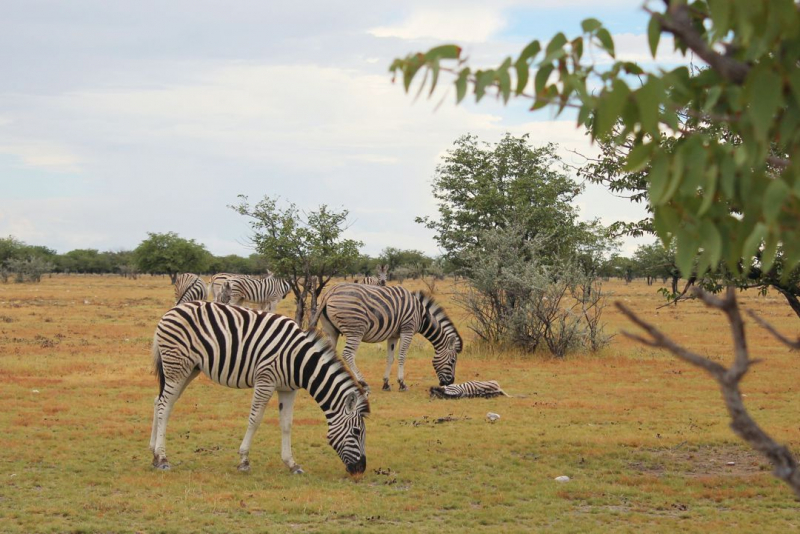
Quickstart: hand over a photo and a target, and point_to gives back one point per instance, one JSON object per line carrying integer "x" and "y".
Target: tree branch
{"x": 742, "y": 424}
{"x": 771, "y": 329}
{"x": 677, "y": 21}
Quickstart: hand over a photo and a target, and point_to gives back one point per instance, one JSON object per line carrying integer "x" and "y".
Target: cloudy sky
{"x": 126, "y": 117}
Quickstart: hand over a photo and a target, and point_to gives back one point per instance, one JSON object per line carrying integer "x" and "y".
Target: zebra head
{"x": 347, "y": 431}
{"x": 383, "y": 270}
{"x": 225, "y": 293}
{"x": 441, "y": 332}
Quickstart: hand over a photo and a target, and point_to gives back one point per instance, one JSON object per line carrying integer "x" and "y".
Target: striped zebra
{"x": 392, "y": 314}
{"x": 380, "y": 280}
{"x": 266, "y": 292}
{"x": 189, "y": 287}
{"x": 219, "y": 279}
{"x": 242, "y": 348}
{"x": 474, "y": 388}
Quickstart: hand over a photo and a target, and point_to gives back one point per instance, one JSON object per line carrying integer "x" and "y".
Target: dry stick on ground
{"x": 785, "y": 464}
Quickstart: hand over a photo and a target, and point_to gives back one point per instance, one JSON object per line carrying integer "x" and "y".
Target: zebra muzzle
{"x": 358, "y": 467}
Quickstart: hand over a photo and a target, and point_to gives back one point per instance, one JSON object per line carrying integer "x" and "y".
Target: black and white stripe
{"x": 474, "y": 388}
{"x": 265, "y": 292}
{"x": 189, "y": 287}
{"x": 392, "y": 314}
{"x": 380, "y": 280}
{"x": 219, "y": 279}
{"x": 242, "y": 348}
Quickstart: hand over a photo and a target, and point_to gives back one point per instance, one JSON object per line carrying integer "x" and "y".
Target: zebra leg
{"x": 391, "y": 343}
{"x": 349, "y": 356}
{"x": 405, "y": 342}
{"x": 173, "y": 389}
{"x": 286, "y": 411}
{"x": 261, "y": 395}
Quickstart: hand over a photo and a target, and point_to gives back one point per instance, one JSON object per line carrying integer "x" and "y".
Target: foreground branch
{"x": 743, "y": 425}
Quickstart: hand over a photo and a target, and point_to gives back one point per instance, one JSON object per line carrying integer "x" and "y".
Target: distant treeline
{"x": 169, "y": 253}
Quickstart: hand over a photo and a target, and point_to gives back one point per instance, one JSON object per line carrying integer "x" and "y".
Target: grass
{"x": 643, "y": 437}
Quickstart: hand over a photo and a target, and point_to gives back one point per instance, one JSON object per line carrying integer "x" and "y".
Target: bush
{"x": 515, "y": 299}
{"x": 28, "y": 270}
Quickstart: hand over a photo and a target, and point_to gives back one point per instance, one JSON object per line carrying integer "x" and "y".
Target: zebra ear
{"x": 351, "y": 402}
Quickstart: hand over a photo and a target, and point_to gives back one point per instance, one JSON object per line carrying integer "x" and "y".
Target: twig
{"x": 742, "y": 424}
{"x": 771, "y": 329}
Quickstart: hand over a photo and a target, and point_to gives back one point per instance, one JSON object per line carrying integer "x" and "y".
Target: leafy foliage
{"x": 724, "y": 201}
{"x": 168, "y": 253}
{"x": 307, "y": 249}
{"x": 482, "y": 187}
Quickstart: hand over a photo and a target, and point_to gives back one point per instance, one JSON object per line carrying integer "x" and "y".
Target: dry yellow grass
{"x": 643, "y": 436}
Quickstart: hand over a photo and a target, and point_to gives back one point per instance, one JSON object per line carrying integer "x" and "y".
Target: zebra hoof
{"x": 387, "y": 387}
{"x": 297, "y": 470}
{"x": 403, "y": 386}
{"x": 161, "y": 463}
{"x": 244, "y": 467}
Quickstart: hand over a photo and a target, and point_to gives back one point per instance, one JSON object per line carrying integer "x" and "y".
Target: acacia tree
{"x": 306, "y": 249}
{"x": 719, "y": 200}
{"x": 171, "y": 254}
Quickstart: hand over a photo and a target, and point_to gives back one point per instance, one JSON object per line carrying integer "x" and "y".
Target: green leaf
{"x": 658, "y": 178}
{"x": 773, "y": 200}
{"x": 686, "y": 251}
{"x": 720, "y": 15}
{"x": 653, "y": 34}
{"x": 522, "y": 65}
{"x": 727, "y": 175}
{"x": 765, "y": 88}
{"x": 666, "y": 223}
{"x": 606, "y": 41}
{"x": 541, "y": 78}
{"x": 609, "y": 108}
{"x": 753, "y": 241}
{"x": 711, "y": 242}
{"x": 461, "y": 84}
{"x": 676, "y": 174}
{"x": 483, "y": 79}
{"x": 557, "y": 42}
{"x": 639, "y": 157}
{"x": 770, "y": 251}
{"x": 443, "y": 52}
{"x": 709, "y": 190}
{"x": 504, "y": 81}
{"x": 591, "y": 24}
{"x": 648, "y": 98}
{"x": 712, "y": 97}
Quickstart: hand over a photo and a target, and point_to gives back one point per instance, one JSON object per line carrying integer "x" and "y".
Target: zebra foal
{"x": 392, "y": 314}
{"x": 242, "y": 348}
{"x": 189, "y": 287}
{"x": 474, "y": 388}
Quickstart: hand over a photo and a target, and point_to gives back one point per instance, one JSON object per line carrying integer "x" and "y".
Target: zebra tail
{"x": 312, "y": 324}
{"x": 158, "y": 365}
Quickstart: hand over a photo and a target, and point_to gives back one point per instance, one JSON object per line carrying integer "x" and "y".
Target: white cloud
{"x": 474, "y": 24}
{"x": 42, "y": 154}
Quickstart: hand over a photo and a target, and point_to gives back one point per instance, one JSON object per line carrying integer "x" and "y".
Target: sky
{"x": 127, "y": 117}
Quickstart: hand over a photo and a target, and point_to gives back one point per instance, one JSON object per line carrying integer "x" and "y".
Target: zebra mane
{"x": 440, "y": 315}
{"x": 324, "y": 346}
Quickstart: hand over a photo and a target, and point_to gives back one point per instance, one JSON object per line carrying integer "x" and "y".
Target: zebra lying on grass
{"x": 189, "y": 287}
{"x": 241, "y": 348}
{"x": 392, "y": 314}
{"x": 475, "y": 388}
{"x": 265, "y": 292}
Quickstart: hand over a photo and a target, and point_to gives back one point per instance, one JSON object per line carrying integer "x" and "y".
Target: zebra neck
{"x": 432, "y": 329}
{"x": 323, "y": 375}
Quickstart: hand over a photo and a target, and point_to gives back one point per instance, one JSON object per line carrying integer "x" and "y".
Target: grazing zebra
{"x": 189, "y": 287}
{"x": 380, "y": 280}
{"x": 242, "y": 348}
{"x": 266, "y": 292}
{"x": 474, "y": 388}
{"x": 219, "y": 279}
{"x": 392, "y": 314}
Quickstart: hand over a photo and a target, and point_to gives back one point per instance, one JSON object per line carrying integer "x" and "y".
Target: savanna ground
{"x": 643, "y": 437}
